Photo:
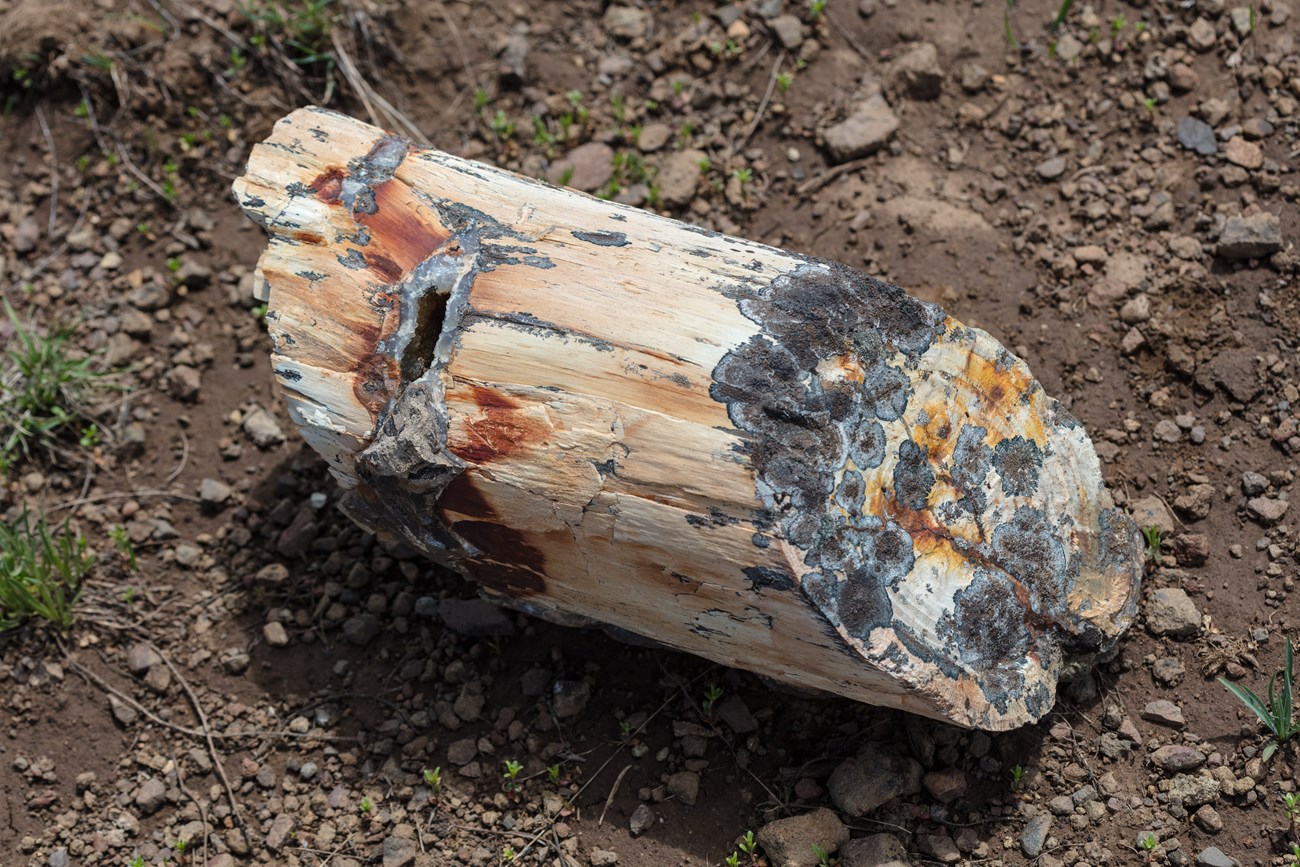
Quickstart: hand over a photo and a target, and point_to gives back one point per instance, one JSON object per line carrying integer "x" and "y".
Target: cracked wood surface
{"x": 609, "y": 417}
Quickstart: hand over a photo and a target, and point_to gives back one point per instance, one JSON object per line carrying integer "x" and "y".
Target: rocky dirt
{"x": 266, "y": 684}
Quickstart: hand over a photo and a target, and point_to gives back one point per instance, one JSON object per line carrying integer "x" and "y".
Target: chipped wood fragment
{"x": 606, "y": 416}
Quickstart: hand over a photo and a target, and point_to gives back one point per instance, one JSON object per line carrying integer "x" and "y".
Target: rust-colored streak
{"x": 375, "y": 378}
{"x": 402, "y": 233}
{"x": 463, "y": 498}
{"x": 507, "y": 563}
{"x": 308, "y": 238}
{"x": 387, "y": 270}
{"x": 502, "y": 429}
{"x": 328, "y": 185}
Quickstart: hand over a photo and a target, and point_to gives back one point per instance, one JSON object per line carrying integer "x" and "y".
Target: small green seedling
{"x": 625, "y": 730}
{"x": 1017, "y": 776}
{"x": 365, "y": 805}
{"x": 123, "y": 541}
{"x": 89, "y": 436}
{"x": 1147, "y": 844}
{"x": 137, "y": 861}
{"x": 1152, "y": 537}
{"x": 1295, "y": 855}
{"x": 1278, "y": 710}
{"x": 732, "y": 860}
{"x": 816, "y": 8}
{"x": 174, "y": 264}
{"x": 502, "y": 126}
{"x": 1149, "y": 103}
{"x": 823, "y": 857}
{"x": 481, "y": 100}
{"x": 784, "y": 80}
{"x": 747, "y": 844}
{"x": 744, "y": 175}
{"x": 510, "y": 777}
{"x": 553, "y": 775}
{"x": 508, "y": 854}
{"x": 711, "y": 696}
{"x": 1117, "y": 24}
{"x": 433, "y": 779}
{"x": 179, "y": 846}
{"x": 1291, "y": 804}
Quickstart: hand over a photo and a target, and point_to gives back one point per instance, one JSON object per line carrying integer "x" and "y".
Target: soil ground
{"x": 1044, "y": 184}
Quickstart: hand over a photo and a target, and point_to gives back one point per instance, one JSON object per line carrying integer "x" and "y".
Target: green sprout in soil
{"x": 41, "y": 570}
{"x": 823, "y": 857}
{"x": 481, "y": 100}
{"x": 1277, "y": 712}
{"x": 508, "y": 854}
{"x": 120, "y": 538}
{"x": 1291, "y": 805}
{"x": 816, "y": 8}
{"x": 553, "y": 774}
{"x": 502, "y": 126}
{"x": 43, "y": 388}
{"x": 784, "y": 80}
{"x": 1117, "y": 24}
{"x": 711, "y": 696}
{"x": 365, "y": 806}
{"x": 749, "y": 846}
{"x": 1061, "y": 14}
{"x": 1017, "y": 776}
{"x": 625, "y": 730}
{"x": 433, "y": 779}
{"x": 509, "y": 780}
{"x": 1152, "y": 537}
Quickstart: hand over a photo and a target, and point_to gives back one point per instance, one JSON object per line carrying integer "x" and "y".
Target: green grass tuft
{"x": 1278, "y": 712}
{"x": 40, "y": 571}
{"x": 43, "y": 388}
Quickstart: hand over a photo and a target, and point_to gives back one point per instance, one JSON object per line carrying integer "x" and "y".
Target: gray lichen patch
{"x": 929, "y": 484}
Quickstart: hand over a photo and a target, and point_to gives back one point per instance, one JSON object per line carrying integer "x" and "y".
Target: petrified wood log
{"x": 604, "y": 415}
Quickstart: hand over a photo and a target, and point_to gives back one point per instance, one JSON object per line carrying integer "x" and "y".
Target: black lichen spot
{"x": 1029, "y": 549}
{"x": 767, "y": 578}
{"x": 913, "y": 476}
{"x": 760, "y": 541}
{"x": 1018, "y": 462}
{"x": 986, "y": 634}
{"x": 970, "y": 466}
{"x": 697, "y": 520}
{"x": 288, "y": 374}
{"x": 868, "y": 452}
{"x": 354, "y": 260}
{"x": 606, "y": 468}
{"x": 602, "y": 238}
{"x": 851, "y": 492}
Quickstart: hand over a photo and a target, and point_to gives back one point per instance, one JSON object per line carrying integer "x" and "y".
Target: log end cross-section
{"x": 606, "y": 416}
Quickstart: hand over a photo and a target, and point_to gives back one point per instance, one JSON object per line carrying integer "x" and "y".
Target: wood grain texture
{"x": 606, "y": 416}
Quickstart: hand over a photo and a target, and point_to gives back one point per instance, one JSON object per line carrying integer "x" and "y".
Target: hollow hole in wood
{"x": 418, "y": 354}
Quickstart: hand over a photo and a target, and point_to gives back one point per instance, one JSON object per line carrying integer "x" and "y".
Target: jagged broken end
{"x": 947, "y": 516}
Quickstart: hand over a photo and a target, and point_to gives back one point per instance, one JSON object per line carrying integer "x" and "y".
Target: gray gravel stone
{"x": 917, "y": 72}
{"x": 1252, "y": 237}
{"x": 1214, "y": 857}
{"x": 867, "y": 129}
{"x": 262, "y": 428}
{"x": 876, "y": 850}
{"x": 361, "y": 629}
{"x": 1197, "y": 135}
{"x": 643, "y": 819}
{"x": 877, "y": 776}
{"x": 1171, "y": 612}
{"x": 789, "y": 842}
{"x": 1034, "y": 835}
{"x": 684, "y": 786}
{"x": 1164, "y": 712}
{"x": 151, "y": 795}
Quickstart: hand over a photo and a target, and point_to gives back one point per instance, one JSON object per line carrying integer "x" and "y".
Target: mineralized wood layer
{"x": 607, "y": 416}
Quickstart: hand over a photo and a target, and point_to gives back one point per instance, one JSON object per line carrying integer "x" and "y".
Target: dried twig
{"x": 612, "y": 792}
{"x": 185, "y": 458}
{"x": 762, "y": 106}
{"x": 207, "y": 733}
{"x": 54, "y": 169}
